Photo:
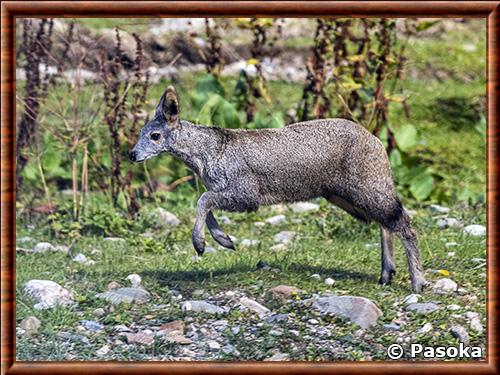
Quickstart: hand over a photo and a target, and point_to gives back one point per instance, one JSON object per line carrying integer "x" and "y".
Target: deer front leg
{"x": 205, "y": 203}
{"x": 217, "y": 233}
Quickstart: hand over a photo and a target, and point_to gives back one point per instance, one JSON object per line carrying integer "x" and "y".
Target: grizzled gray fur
{"x": 243, "y": 169}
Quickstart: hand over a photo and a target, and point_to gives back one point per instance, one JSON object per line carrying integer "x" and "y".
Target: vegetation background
{"x": 85, "y": 87}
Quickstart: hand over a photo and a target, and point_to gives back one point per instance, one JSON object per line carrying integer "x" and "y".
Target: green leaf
{"x": 395, "y": 158}
{"x": 226, "y": 115}
{"x": 424, "y": 25}
{"x": 422, "y": 185}
{"x": 406, "y": 137}
{"x": 51, "y": 160}
{"x": 209, "y": 84}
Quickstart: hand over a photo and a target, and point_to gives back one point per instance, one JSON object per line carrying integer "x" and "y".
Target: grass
{"x": 330, "y": 243}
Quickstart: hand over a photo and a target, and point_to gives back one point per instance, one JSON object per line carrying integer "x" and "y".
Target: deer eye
{"x": 155, "y": 136}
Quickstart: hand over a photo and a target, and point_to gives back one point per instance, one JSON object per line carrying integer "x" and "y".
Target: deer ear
{"x": 169, "y": 107}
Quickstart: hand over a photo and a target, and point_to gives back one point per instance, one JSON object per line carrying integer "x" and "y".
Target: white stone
{"x": 284, "y": 236}
{"x": 329, "y": 281}
{"x": 202, "y": 306}
{"x": 80, "y": 258}
{"x": 135, "y": 280}
{"x": 165, "y": 218}
{"x": 444, "y": 286}
{"x": 254, "y": 306}
{"x": 426, "y": 328}
{"x": 42, "y": 247}
{"x": 301, "y": 207}
{"x": 412, "y": 298}
{"x": 249, "y": 243}
{"x": 278, "y": 247}
{"x": 48, "y": 294}
{"x": 315, "y": 276}
{"x": 453, "y": 307}
{"x": 276, "y": 220}
{"x": 475, "y": 230}
{"x": 449, "y": 222}
{"x": 439, "y": 209}
{"x": 475, "y": 324}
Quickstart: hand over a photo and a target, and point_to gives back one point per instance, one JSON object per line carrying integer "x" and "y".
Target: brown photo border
{"x": 489, "y": 10}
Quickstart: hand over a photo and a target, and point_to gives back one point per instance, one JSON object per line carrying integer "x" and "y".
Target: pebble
{"x": 478, "y": 260}
{"x": 135, "y": 280}
{"x": 392, "y": 327}
{"x": 276, "y": 220}
{"x": 103, "y": 351}
{"x": 460, "y": 333}
{"x": 278, "y": 247}
{"x": 30, "y": 325}
{"x": 329, "y": 281}
{"x": 225, "y": 220}
{"x": 475, "y": 230}
{"x": 47, "y": 294}
{"x": 91, "y": 325}
{"x": 422, "y": 308}
{"x": 164, "y": 218}
{"x": 249, "y": 243}
{"x": 42, "y": 247}
{"x": 451, "y": 254}
{"x": 210, "y": 250}
{"x": 127, "y": 295}
{"x": 412, "y": 298}
{"x": 278, "y": 356}
{"x": 439, "y": 209}
{"x": 142, "y": 338}
{"x": 315, "y": 276}
{"x": 301, "y": 207}
{"x": 313, "y": 321}
{"x": 453, "y": 307}
{"x": 254, "y": 306}
{"x": 426, "y": 328}
{"x": 475, "y": 324}
{"x": 284, "y": 236}
{"x": 202, "y": 306}
{"x": 99, "y": 312}
{"x": 449, "y": 222}
{"x": 282, "y": 293}
{"x": 213, "y": 345}
{"x": 259, "y": 224}
{"x": 278, "y": 318}
{"x": 451, "y": 244}
{"x": 445, "y": 286}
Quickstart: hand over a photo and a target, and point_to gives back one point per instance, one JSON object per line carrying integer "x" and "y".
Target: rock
{"x": 42, "y": 247}
{"x": 235, "y": 330}
{"x": 278, "y": 247}
{"x": 135, "y": 280}
{"x": 278, "y": 318}
{"x": 249, "y": 243}
{"x": 91, "y": 325}
{"x": 278, "y": 356}
{"x": 475, "y": 230}
{"x": 210, "y": 250}
{"x": 329, "y": 281}
{"x": 114, "y": 239}
{"x": 103, "y": 351}
{"x": 281, "y": 293}
{"x": 284, "y": 236}
{"x": 422, "y": 308}
{"x": 30, "y": 324}
{"x": 254, "y": 306}
{"x": 276, "y": 220}
{"x": 451, "y": 254}
{"x": 439, "y": 209}
{"x": 164, "y": 218}
{"x": 451, "y": 244}
{"x": 475, "y": 324}
{"x": 471, "y": 315}
{"x": 48, "y": 294}
{"x": 139, "y": 338}
{"x": 67, "y": 336}
{"x": 113, "y": 285}
{"x": 301, "y": 207}
{"x": 202, "y": 306}
{"x": 426, "y": 328}
{"x": 178, "y": 339}
{"x": 80, "y": 258}
{"x": 449, "y": 222}
{"x": 279, "y": 208}
{"x": 259, "y": 224}
{"x": 213, "y": 345}
{"x": 392, "y": 327}
{"x": 99, "y": 312}
{"x": 453, "y": 307}
{"x": 444, "y": 286}
{"x": 224, "y": 220}
{"x": 229, "y": 349}
{"x": 127, "y": 295}
{"x": 315, "y": 276}
{"x": 173, "y": 326}
{"x": 478, "y": 260}
{"x": 460, "y": 333}
{"x": 313, "y": 321}
{"x": 359, "y": 310}
{"x": 412, "y": 298}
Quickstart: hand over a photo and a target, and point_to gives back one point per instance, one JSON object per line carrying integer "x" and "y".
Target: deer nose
{"x": 132, "y": 155}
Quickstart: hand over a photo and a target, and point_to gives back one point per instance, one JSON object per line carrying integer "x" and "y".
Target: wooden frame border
{"x": 489, "y": 10}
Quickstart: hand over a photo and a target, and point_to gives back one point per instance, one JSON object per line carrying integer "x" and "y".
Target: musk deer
{"x": 242, "y": 169}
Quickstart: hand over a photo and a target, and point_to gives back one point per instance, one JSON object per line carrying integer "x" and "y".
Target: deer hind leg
{"x": 408, "y": 237}
{"x": 217, "y": 233}
{"x": 388, "y": 264}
